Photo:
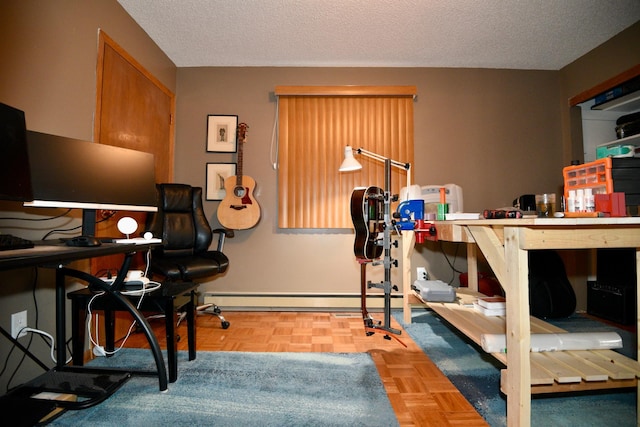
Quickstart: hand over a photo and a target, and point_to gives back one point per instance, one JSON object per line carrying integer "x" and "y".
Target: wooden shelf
{"x": 551, "y": 372}
{"x": 624, "y": 104}
{"x": 633, "y": 140}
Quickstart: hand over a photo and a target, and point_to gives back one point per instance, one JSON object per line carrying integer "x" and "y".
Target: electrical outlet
{"x": 421, "y": 273}
{"x": 18, "y": 322}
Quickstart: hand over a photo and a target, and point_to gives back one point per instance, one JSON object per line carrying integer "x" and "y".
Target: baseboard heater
{"x": 297, "y": 302}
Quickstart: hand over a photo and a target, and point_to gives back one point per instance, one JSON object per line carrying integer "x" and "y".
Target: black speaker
{"x": 612, "y": 296}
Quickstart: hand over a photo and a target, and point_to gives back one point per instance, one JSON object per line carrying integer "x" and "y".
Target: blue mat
{"x": 246, "y": 389}
{"x": 477, "y": 376}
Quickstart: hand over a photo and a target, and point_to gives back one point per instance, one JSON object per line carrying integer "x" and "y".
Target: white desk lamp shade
{"x": 349, "y": 163}
{"x": 127, "y": 225}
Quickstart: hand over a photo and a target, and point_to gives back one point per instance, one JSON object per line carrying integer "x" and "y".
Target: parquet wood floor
{"x": 419, "y": 393}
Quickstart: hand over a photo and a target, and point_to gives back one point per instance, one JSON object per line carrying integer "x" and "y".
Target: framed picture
{"x": 216, "y": 175}
{"x": 221, "y": 133}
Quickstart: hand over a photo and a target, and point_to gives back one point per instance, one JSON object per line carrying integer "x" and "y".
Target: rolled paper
{"x": 497, "y": 343}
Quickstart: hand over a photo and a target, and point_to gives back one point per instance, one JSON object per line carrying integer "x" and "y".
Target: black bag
{"x": 550, "y": 292}
{"x": 628, "y": 125}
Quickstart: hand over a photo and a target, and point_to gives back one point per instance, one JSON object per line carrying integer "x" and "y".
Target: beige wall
{"x": 496, "y": 133}
{"x": 48, "y": 52}
{"x": 613, "y": 57}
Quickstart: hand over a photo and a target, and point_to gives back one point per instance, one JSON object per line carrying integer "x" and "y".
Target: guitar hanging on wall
{"x": 239, "y": 210}
{"x": 367, "y": 215}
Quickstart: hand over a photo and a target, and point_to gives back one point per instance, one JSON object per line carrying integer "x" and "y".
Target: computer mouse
{"x": 85, "y": 241}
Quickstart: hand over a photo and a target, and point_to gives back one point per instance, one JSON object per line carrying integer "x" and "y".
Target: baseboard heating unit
{"x": 297, "y": 302}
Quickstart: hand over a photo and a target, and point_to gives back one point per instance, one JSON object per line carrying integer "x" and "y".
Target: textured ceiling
{"x": 519, "y": 34}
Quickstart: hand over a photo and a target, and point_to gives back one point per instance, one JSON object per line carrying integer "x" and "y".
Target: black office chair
{"x": 186, "y": 234}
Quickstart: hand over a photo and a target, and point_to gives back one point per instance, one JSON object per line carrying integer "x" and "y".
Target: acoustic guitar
{"x": 367, "y": 214}
{"x": 239, "y": 210}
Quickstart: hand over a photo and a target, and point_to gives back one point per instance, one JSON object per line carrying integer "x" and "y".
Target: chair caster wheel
{"x": 225, "y": 325}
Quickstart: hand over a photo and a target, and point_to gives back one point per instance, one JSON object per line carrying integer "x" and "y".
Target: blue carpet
{"x": 243, "y": 389}
{"x": 477, "y": 376}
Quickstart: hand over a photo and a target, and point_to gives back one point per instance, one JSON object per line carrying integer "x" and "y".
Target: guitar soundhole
{"x": 239, "y": 191}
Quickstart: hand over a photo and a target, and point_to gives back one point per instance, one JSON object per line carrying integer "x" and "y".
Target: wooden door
{"x": 133, "y": 110}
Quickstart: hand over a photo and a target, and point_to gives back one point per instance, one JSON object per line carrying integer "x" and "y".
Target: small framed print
{"x": 221, "y": 134}
{"x": 217, "y": 173}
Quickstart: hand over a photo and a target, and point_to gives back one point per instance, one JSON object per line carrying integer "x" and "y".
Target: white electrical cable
{"x": 101, "y": 350}
{"x": 89, "y": 316}
{"x": 52, "y": 345}
{"x": 148, "y": 260}
{"x": 147, "y": 287}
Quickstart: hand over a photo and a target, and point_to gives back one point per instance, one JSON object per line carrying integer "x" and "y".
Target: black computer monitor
{"x": 43, "y": 170}
{"x": 71, "y": 173}
{"x": 15, "y": 178}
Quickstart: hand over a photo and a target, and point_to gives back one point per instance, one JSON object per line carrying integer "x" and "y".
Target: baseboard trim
{"x": 297, "y": 302}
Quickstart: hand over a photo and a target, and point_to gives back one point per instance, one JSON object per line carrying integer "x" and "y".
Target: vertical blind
{"x": 314, "y": 125}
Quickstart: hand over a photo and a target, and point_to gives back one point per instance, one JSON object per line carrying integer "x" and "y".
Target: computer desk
{"x": 504, "y": 244}
{"x": 57, "y": 256}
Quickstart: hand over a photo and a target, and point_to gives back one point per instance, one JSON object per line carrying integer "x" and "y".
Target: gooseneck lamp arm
{"x": 351, "y": 164}
{"x": 405, "y": 166}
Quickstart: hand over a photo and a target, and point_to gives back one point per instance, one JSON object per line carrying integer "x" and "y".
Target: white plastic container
{"x": 579, "y": 202}
{"x": 589, "y": 202}
{"x": 571, "y": 201}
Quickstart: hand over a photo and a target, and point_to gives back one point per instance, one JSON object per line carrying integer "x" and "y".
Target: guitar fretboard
{"x": 242, "y": 137}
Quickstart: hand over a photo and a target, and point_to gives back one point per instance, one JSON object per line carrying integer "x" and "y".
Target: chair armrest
{"x": 222, "y": 233}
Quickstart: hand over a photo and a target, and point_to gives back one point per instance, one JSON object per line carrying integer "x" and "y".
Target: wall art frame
{"x": 221, "y": 133}
{"x": 217, "y": 173}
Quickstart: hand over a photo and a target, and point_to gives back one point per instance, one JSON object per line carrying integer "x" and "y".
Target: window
{"x": 315, "y": 124}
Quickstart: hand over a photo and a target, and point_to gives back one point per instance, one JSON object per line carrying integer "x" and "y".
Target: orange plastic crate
{"x": 595, "y": 175}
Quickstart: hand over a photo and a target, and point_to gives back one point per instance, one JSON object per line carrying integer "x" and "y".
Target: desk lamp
{"x": 351, "y": 164}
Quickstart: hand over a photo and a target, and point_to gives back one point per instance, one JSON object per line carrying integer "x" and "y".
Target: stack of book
{"x": 491, "y": 306}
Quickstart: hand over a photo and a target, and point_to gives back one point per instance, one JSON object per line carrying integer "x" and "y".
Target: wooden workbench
{"x": 504, "y": 244}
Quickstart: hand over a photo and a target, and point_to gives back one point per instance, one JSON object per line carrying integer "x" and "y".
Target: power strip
{"x": 136, "y": 283}
{"x": 134, "y": 278}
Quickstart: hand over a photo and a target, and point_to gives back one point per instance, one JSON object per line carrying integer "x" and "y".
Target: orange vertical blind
{"x": 315, "y": 124}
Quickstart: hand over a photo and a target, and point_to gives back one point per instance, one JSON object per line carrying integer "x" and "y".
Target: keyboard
{"x": 9, "y": 242}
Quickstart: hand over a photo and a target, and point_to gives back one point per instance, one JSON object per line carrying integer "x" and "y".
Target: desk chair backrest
{"x": 186, "y": 235}
{"x": 180, "y": 221}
